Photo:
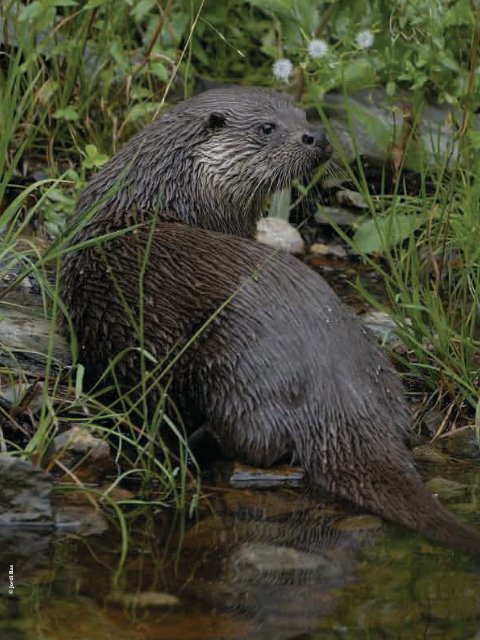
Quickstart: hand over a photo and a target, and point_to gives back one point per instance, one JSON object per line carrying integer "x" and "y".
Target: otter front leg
{"x": 204, "y": 445}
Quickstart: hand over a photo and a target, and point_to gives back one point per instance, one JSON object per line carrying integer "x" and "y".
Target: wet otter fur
{"x": 283, "y": 369}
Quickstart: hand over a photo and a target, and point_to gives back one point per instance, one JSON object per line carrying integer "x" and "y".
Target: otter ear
{"x": 216, "y": 121}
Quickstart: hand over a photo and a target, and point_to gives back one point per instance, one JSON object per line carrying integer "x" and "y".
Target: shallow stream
{"x": 254, "y": 564}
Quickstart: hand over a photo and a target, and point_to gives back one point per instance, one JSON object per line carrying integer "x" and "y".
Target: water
{"x": 252, "y": 565}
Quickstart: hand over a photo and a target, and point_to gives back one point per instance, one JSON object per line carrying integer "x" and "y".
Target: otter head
{"x": 256, "y": 142}
{"x": 210, "y": 161}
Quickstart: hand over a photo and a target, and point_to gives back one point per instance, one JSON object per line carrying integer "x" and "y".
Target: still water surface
{"x": 271, "y": 564}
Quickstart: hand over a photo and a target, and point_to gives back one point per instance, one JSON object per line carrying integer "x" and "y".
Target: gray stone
{"x": 382, "y": 325}
{"x": 24, "y": 493}
{"x": 243, "y": 475}
{"x": 83, "y": 520}
{"x": 84, "y": 454}
{"x": 25, "y": 335}
{"x": 349, "y": 198}
{"x": 79, "y": 441}
{"x": 372, "y": 118}
{"x": 338, "y": 215}
{"x": 279, "y": 234}
{"x": 321, "y": 249}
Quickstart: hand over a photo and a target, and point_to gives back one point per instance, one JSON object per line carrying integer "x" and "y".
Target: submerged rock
{"x": 464, "y": 443}
{"x": 143, "y": 599}
{"x": 429, "y": 453}
{"x": 446, "y": 488}
{"x": 256, "y": 561}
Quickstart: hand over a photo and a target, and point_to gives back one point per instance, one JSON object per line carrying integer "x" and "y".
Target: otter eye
{"x": 268, "y": 128}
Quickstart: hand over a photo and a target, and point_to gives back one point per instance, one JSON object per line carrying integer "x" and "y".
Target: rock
{"x": 279, "y": 234}
{"x": 340, "y": 216}
{"x": 358, "y": 523}
{"x": 337, "y": 250}
{"x": 83, "y": 520}
{"x": 274, "y": 503}
{"x": 433, "y": 421}
{"x": 25, "y": 336}
{"x": 244, "y": 476}
{"x": 446, "y": 489}
{"x": 428, "y": 453}
{"x": 83, "y": 454}
{"x": 24, "y": 494}
{"x": 143, "y": 599}
{"x": 257, "y": 560}
{"x": 349, "y": 198}
{"x": 29, "y": 549}
{"x": 464, "y": 443}
{"x": 375, "y": 119}
{"x": 28, "y": 395}
{"x": 381, "y": 324}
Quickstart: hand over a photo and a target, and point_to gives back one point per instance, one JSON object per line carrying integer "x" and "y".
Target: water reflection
{"x": 254, "y": 564}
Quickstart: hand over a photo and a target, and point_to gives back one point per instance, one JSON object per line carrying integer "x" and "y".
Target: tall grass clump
{"x": 431, "y": 270}
{"x": 79, "y": 80}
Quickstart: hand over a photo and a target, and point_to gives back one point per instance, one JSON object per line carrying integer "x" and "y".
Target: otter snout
{"x": 318, "y": 139}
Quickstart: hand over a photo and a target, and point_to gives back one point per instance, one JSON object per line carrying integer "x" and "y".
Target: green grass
{"x": 424, "y": 248}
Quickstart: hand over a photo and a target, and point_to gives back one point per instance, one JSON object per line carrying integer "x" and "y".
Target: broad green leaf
{"x": 375, "y": 236}
{"x": 459, "y": 14}
{"x": 68, "y": 113}
{"x": 391, "y": 88}
{"x": 118, "y": 54}
{"x": 141, "y": 9}
{"x": 358, "y": 73}
{"x": 160, "y": 70}
{"x": 32, "y": 12}
{"x": 93, "y": 4}
{"x": 93, "y": 157}
{"x": 277, "y": 6}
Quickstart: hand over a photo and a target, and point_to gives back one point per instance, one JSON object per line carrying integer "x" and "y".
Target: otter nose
{"x": 318, "y": 139}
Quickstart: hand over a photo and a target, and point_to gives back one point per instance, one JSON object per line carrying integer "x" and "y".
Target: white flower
{"x": 364, "y": 39}
{"x": 317, "y": 48}
{"x": 282, "y": 68}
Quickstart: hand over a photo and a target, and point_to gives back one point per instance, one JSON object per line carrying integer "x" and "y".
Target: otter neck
{"x": 174, "y": 183}
{"x": 212, "y": 212}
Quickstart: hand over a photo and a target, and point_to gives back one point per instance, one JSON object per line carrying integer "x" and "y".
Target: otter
{"x": 263, "y": 356}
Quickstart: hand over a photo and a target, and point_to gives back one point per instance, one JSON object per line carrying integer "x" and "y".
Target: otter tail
{"x": 392, "y": 488}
